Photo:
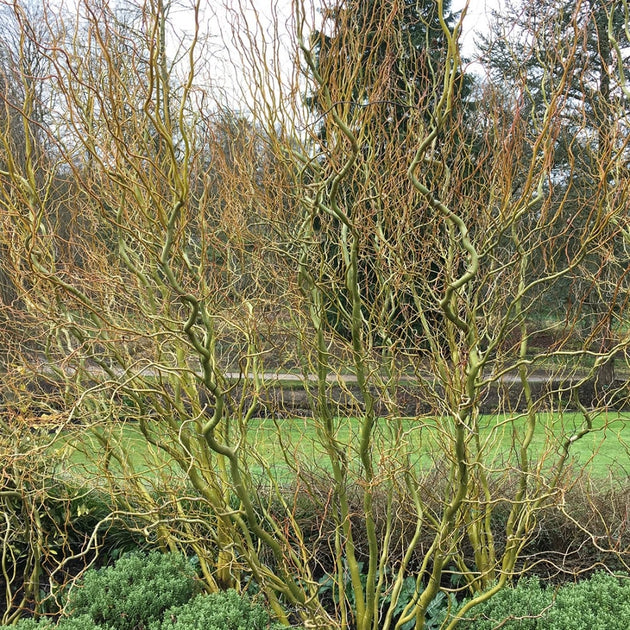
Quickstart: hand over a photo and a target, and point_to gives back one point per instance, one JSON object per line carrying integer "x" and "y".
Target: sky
{"x": 219, "y": 22}
{"x": 476, "y": 20}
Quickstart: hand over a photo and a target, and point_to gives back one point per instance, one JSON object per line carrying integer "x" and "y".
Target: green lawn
{"x": 604, "y": 451}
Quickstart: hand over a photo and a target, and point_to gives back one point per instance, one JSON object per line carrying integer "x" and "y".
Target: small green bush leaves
{"x": 29, "y": 624}
{"x": 135, "y": 591}
{"x": 80, "y": 622}
{"x": 600, "y": 603}
{"x": 218, "y": 611}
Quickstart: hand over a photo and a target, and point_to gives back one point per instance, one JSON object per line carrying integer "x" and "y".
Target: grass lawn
{"x": 603, "y": 452}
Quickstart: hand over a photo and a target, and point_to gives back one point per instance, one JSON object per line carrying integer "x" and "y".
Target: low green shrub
{"x": 601, "y": 602}
{"x": 156, "y": 592}
{"x": 517, "y": 608}
{"x": 28, "y": 624}
{"x": 80, "y": 622}
{"x": 135, "y": 591}
{"x": 225, "y": 610}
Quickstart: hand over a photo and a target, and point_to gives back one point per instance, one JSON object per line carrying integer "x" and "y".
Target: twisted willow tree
{"x": 173, "y": 262}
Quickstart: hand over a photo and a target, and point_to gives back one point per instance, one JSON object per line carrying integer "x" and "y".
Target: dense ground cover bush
{"x": 137, "y": 590}
{"x": 225, "y": 610}
{"x": 601, "y": 602}
{"x": 156, "y": 591}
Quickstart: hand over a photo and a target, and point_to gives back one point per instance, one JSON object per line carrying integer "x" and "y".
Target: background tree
{"x": 25, "y": 104}
{"x": 386, "y": 77}
{"x": 535, "y": 56}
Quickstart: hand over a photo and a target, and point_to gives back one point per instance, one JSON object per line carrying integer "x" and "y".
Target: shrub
{"x": 80, "y": 622}
{"x": 135, "y": 591}
{"x": 600, "y": 603}
{"x": 517, "y": 608}
{"x": 155, "y": 591}
{"x": 28, "y": 624}
{"x": 226, "y": 610}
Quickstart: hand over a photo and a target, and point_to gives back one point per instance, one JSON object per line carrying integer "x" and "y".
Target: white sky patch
{"x": 234, "y": 37}
{"x": 476, "y": 22}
